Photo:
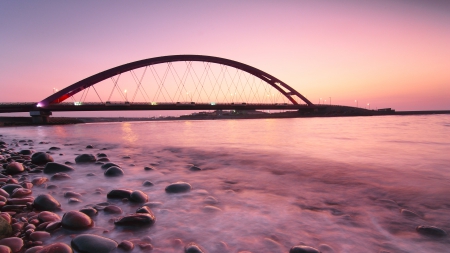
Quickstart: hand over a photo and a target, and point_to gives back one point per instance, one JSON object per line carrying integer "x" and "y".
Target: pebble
{"x": 26, "y": 152}
{"x": 9, "y": 188}
{"x": 147, "y": 183}
{"x": 149, "y": 168}
{"x": 107, "y": 165}
{"x": 119, "y": 194}
{"x": 126, "y": 245}
{"x": 5, "y": 227}
{"x": 60, "y": 176}
{"x": 112, "y": 209}
{"x": 40, "y": 236}
{"x": 41, "y": 158}
{"x": 89, "y": 146}
{"x": 58, "y": 247}
{"x": 34, "y": 249}
{"x": 48, "y": 216}
{"x": 88, "y": 243}
{"x": 14, "y": 243}
{"x": 114, "y": 172}
{"x": 85, "y": 158}
{"x": 52, "y": 226}
{"x": 178, "y": 187}
{"x": 431, "y": 231}
{"x": 74, "y": 201}
{"x": 138, "y": 219}
{"x": 193, "y": 248}
{"x": 409, "y": 214}
{"x": 101, "y": 155}
{"x": 303, "y": 249}
{"x": 210, "y": 200}
{"x": 103, "y": 159}
{"x": 89, "y": 211}
{"x": 138, "y": 196}
{"x": 194, "y": 168}
{"x": 14, "y": 168}
{"x": 54, "y": 148}
{"x": 52, "y": 167}
{"x": 39, "y": 181}
{"x": 71, "y": 194}
{"x": 21, "y": 192}
{"x": 76, "y": 220}
{"x": 144, "y": 209}
{"x": 45, "y": 202}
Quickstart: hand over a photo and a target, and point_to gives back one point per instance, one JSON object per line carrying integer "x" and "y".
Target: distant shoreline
{"x": 27, "y": 121}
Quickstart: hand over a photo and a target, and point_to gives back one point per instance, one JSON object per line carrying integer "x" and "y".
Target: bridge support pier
{"x": 40, "y": 117}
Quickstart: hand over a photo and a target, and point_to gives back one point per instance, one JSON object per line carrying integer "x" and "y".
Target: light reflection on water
{"x": 278, "y": 182}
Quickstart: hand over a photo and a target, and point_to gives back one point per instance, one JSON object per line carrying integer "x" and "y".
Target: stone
{"x": 89, "y": 211}
{"x": 409, "y": 214}
{"x": 60, "y": 176}
{"x": 114, "y": 172}
{"x": 101, "y": 155}
{"x": 40, "y": 236}
{"x": 194, "y": 168}
{"x": 54, "y": 148}
{"x": 34, "y": 249}
{"x": 126, "y": 245}
{"x": 148, "y": 168}
{"x": 48, "y": 216}
{"x": 52, "y": 167}
{"x": 88, "y": 243}
{"x": 14, "y": 168}
{"x": 119, "y": 194}
{"x": 71, "y": 194}
{"x": 5, "y": 227}
{"x": 112, "y": 209}
{"x": 45, "y": 202}
{"x": 431, "y": 231}
{"x": 193, "y": 248}
{"x": 147, "y": 183}
{"x": 41, "y": 158}
{"x": 102, "y": 159}
{"x": 89, "y": 146}
{"x": 14, "y": 243}
{"x": 85, "y": 158}
{"x": 4, "y": 193}
{"x": 76, "y": 220}
{"x": 107, "y": 165}
{"x": 57, "y": 247}
{"x": 178, "y": 187}
{"x": 53, "y": 226}
{"x": 138, "y": 196}
{"x": 9, "y": 188}
{"x": 303, "y": 249}
{"x": 21, "y": 192}
{"x": 144, "y": 209}
{"x": 39, "y": 181}
{"x": 138, "y": 219}
{"x": 210, "y": 200}
{"x": 26, "y": 152}
{"x": 5, "y": 249}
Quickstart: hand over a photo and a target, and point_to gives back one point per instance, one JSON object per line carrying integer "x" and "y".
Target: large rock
{"x": 138, "y": 196}
{"x": 52, "y": 167}
{"x": 193, "y": 248}
{"x": 41, "y": 158}
{"x": 76, "y": 220}
{"x": 178, "y": 187}
{"x": 9, "y": 188}
{"x": 14, "y": 168}
{"x": 303, "y": 249}
{"x": 57, "y": 247}
{"x": 85, "y": 158}
{"x": 88, "y": 243}
{"x": 114, "y": 172}
{"x": 137, "y": 219}
{"x": 108, "y": 165}
{"x": 14, "y": 243}
{"x": 46, "y": 202}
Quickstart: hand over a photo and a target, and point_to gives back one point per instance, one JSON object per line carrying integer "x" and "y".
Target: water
{"x": 335, "y": 183}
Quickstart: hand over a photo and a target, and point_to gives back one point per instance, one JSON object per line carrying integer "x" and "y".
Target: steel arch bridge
{"x": 60, "y": 96}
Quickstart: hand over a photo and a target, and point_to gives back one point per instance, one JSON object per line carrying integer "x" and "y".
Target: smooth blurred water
{"x": 279, "y": 182}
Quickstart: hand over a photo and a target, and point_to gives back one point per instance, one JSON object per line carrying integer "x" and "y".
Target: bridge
{"x": 175, "y": 82}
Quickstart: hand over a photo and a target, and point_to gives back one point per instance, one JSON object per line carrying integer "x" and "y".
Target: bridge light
{"x": 77, "y": 103}
{"x": 39, "y": 105}
{"x": 213, "y": 103}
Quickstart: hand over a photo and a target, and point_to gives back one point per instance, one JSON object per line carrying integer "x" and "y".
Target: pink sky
{"x": 392, "y": 53}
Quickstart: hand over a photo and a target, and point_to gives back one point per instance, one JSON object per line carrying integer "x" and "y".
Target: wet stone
{"x": 126, "y": 245}
{"x": 409, "y": 214}
{"x": 76, "y": 220}
{"x": 144, "y": 209}
{"x": 138, "y": 219}
{"x": 40, "y": 236}
{"x": 5, "y": 249}
{"x": 39, "y": 181}
{"x": 303, "y": 249}
{"x": 178, "y": 187}
{"x": 20, "y": 193}
{"x": 88, "y": 243}
{"x": 112, "y": 209}
{"x": 74, "y": 201}
{"x": 14, "y": 243}
{"x": 46, "y": 202}
{"x": 54, "y": 148}
{"x": 26, "y": 152}
{"x": 41, "y": 158}
{"x": 114, "y": 172}
{"x": 71, "y": 194}
{"x": 138, "y": 196}
{"x": 48, "y": 216}
{"x": 148, "y": 168}
{"x": 52, "y": 226}
{"x": 14, "y": 168}
{"x": 119, "y": 194}
{"x": 89, "y": 146}
{"x": 194, "y": 168}
{"x": 103, "y": 159}
{"x": 431, "y": 231}
{"x": 147, "y": 183}
{"x": 101, "y": 155}
{"x": 108, "y": 165}
{"x": 57, "y": 247}
{"x": 193, "y": 248}
{"x": 9, "y": 188}
{"x": 85, "y": 158}
{"x": 89, "y": 211}
{"x": 52, "y": 167}
{"x": 60, "y": 176}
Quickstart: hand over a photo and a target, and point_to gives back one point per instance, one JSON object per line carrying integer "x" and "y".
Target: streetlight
{"x": 126, "y": 99}
{"x": 368, "y": 105}
{"x": 356, "y": 101}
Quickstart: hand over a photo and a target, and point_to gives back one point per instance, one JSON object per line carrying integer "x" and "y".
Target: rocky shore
{"x": 32, "y": 220}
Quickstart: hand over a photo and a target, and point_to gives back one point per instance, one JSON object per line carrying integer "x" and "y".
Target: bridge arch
{"x": 73, "y": 89}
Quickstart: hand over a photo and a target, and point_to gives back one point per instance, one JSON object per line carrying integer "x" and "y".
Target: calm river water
{"x": 336, "y": 184}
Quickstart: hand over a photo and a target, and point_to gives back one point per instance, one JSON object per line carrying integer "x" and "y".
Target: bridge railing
{"x": 124, "y": 103}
